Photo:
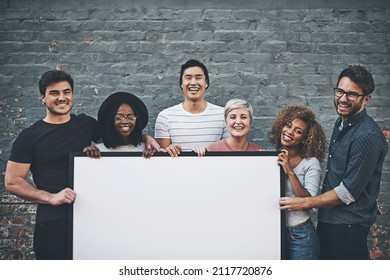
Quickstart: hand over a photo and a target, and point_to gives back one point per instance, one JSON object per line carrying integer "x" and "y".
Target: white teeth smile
{"x": 193, "y": 89}
{"x": 287, "y": 138}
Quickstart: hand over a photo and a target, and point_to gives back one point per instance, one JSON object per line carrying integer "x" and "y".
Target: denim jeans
{"x": 343, "y": 242}
{"x": 302, "y": 242}
{"x": 51, "y": 240}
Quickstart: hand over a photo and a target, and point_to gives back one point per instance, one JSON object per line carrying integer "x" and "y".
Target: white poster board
{"x": 222, "y": 206}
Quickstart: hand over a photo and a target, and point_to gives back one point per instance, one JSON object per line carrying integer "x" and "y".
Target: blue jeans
{"x": 302, "y": 242}
{"x": 343, "y": 242}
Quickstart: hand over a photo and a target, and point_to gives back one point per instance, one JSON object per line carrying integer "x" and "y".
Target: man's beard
{"x": 353, "y": 110}
{"x": 59, "y": 113}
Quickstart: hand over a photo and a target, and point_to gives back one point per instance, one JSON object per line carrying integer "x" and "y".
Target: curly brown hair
{"x": 315, "y": 144}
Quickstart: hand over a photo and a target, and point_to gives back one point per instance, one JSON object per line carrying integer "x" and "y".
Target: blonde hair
{"x": 236, "y": 103}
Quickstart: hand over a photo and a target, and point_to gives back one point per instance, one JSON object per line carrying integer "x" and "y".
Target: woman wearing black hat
{"x": 122, "y": 116}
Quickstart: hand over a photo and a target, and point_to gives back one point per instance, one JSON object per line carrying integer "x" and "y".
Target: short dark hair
{"x": 360, "y": 76}
{"x": 111, "y": 137}
{"x": 194, "y": 63}
{"x": 51, "y": 77}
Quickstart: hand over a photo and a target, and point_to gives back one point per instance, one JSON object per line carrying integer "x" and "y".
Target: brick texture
{"x": 271, "y": 53}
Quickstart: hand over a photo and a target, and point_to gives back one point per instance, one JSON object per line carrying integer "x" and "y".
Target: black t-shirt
{"x": 46, "y": 147}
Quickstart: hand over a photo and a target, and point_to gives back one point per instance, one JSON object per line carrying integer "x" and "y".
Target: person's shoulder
{"x": 214, "y": 106}
{"x": 29, "y": 135}
{"x": 83, "y": 118}
{"x": 172, "y": 109}
{"x": 216, "y": 146}
{"x": 254, "y": 147}
{"x": 373, "y": 125}
{"x": 312, "y": 162}
{"x": 369, "y": 131}
{"x": 32, "y": 129}
{"x": 215, "y": 111}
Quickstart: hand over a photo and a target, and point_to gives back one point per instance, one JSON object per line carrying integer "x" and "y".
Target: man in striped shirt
{"x": 194, "y": 122}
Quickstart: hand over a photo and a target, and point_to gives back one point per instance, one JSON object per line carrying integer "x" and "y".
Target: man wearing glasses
{"x": 352, "y": 180}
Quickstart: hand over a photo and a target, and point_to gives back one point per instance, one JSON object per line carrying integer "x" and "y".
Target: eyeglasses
{"x": 351, "y": 95}
{"x": 121, "y": 118}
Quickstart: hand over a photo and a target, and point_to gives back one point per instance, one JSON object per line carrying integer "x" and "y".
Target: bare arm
{"x": 172, "y": 149}
{"x": 297, "y": 187}
{"x": 151, "y": 143}
{"x": 163, "y": 142}
{"x": 328, "y": 198}
{"x": 16, "y": 183}
{"x": 151, "y": 146}
{"x": 92, "y": 151}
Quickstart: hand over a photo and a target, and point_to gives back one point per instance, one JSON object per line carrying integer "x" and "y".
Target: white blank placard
{"x": 185, "y": 208}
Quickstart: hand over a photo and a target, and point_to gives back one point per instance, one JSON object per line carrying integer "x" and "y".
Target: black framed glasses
{"x": 351, "y": 95}
{"x": 121, "y": 118}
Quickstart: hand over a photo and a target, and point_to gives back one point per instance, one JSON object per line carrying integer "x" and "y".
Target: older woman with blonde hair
{"x": 238, "y": 115}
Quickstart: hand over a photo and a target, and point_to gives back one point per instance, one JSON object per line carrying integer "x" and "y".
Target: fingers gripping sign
{"x": 292, "y": 203}
{"x": 200, "y": 151}
{"x": 66, "y": 196}
{"x": 173, "y": 150}
{"x": 151, "y": 146}
{"x": 92, "y": 151}
{"x": 284, "y": 161}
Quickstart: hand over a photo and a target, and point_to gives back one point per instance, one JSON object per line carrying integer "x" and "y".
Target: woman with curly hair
{"x": 301, "y": 140}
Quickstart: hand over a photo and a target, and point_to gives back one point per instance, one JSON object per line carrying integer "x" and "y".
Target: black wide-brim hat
{"x": 120, "y": 98}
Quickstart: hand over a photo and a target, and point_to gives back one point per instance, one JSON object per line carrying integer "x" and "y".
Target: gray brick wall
{"x": 271, "y": 53}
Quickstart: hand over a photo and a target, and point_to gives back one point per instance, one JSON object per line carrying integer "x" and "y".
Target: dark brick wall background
{"x": 271, "y": 53}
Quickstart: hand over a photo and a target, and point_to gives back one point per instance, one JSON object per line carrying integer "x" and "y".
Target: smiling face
{"x": 238, "y": 122}
{"x": 194, "y": 84}
{"x": 58, "y": 99}
{"x": 294, "y": 133}
{"x": 125, "y": 126}
{"x": 347, "y": 108}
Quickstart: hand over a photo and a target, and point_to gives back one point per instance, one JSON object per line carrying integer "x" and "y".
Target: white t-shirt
{"x": 125, "y": 148}
{"x": 191, "y": 130}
